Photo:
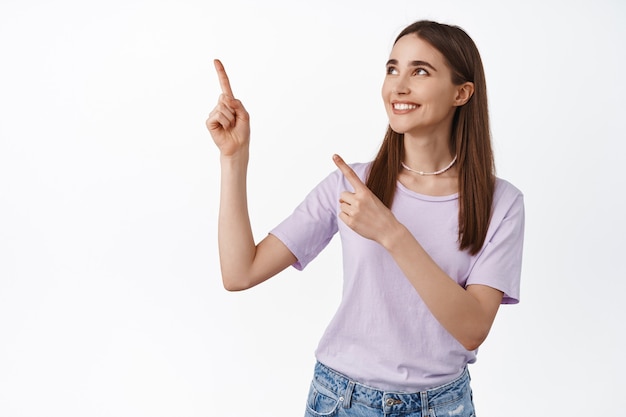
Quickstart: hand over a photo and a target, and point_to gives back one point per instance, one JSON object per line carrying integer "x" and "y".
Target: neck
{"x": 427, "y": 154}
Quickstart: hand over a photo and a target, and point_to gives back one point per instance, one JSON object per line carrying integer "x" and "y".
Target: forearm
{"x": 235, "y": 239}
{"x": 467, "y": 314}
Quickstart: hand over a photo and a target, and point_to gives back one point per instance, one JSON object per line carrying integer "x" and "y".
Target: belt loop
{"x": 425, "y": 406}
{"x": 347, "y": 396}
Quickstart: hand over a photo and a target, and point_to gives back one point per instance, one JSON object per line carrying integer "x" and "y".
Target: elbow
{"x": 471, "y": 345}
{"x": 234, "y": 284}
{"x": 233, "y": 288}
{"x": 473, "y": 341}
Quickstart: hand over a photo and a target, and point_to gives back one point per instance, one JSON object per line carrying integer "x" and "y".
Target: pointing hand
{"x": 229, "y": 122}
{"x": 361, "y": 210}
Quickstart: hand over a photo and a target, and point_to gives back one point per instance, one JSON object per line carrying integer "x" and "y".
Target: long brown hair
{"x": 470, "y": 138}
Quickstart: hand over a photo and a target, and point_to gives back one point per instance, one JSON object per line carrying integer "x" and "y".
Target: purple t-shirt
{"x": 382, "y": 334}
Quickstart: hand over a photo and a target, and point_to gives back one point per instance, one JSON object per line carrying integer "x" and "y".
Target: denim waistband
{"x": 351, "y": 391}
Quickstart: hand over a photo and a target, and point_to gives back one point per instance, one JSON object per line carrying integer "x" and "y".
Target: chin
{"x": 398, "y": 129}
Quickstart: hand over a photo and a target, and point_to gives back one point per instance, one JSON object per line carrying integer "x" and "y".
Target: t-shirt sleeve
{"x": 499, "y": 264}
{"x": 312, "y": 224}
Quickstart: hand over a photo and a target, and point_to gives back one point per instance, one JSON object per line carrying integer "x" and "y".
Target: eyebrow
{"x": 413, "y": 64}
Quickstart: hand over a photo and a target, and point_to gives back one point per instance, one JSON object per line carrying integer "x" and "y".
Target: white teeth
{"x": 404, "y": 106}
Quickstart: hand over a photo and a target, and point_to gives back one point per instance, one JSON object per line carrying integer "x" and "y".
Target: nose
{"x": 401, "y": 86}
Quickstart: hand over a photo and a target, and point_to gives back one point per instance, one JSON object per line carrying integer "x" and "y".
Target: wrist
{"x": 237, "y": 159}
{"x": 395, "y": 237}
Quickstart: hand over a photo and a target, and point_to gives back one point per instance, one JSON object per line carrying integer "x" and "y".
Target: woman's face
{"x": 419, "y": 96}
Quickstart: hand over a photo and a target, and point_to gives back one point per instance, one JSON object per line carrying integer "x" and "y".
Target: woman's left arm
{"x": 467, "y": 314}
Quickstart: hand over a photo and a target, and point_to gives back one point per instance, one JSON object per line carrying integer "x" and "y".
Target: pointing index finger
{"x": 223, "y": 78}
{"x": 348, "y": 172}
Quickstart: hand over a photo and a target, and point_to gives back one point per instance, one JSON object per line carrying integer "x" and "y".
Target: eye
{"x": 392, "y": 71}
{"x": 421, "y": 71}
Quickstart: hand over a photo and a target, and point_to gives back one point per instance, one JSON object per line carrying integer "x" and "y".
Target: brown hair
{"x": 470, "y": 138}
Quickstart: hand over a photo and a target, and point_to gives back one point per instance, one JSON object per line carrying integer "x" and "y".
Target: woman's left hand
{"x": 361, "y": 210}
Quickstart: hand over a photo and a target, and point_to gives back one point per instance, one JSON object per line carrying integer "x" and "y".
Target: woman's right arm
{"x": 243, "y": 263}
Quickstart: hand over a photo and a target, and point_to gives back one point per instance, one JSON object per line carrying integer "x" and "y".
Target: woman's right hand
{"x": 229, "y": 122}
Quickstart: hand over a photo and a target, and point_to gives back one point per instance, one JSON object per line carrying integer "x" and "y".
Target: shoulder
{"x": 361, "y": 169}
{"x": 508, "y": 202}
{"x": 506, "y": 193}
{"x": 335, "y": 182}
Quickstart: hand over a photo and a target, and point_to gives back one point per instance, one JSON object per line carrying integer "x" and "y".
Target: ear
{"x": 463, "y": 93}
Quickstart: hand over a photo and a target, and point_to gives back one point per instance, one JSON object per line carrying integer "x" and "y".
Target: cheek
{"x": 385, "y": 96}
{"x": 440, "y": 98}
{"x": 448, "y": 94}
{"x": 384, "y": 91}
{"x": 387, "y": 88}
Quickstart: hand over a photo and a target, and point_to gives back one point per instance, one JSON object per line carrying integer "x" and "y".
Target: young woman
{"x": 432, "y": 240}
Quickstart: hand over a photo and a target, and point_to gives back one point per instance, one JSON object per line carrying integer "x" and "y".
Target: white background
{"x": 110, "y": 294}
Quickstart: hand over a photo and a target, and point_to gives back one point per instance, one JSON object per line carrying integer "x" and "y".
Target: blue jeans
{"x": 335, "y": 395}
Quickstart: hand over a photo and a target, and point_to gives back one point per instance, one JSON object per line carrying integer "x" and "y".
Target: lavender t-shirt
{"x": 382, "y": 334}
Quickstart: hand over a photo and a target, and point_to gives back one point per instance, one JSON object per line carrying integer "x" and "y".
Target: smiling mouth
{"x": 404, "y": 106}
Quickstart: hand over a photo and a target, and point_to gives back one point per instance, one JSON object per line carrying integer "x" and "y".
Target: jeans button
{"x": 392, "y": 401}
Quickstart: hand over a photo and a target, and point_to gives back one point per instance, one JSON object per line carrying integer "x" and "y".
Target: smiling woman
{"x": 415, "y": 88}
{"x": 429, "y": 253}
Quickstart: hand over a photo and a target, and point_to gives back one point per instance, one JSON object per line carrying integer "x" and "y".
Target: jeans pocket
{"x": 464, "y": 407}
{"x": 321, "y": 402}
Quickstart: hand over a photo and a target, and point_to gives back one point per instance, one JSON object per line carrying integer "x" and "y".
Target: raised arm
{"x": 244, "y": 264}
